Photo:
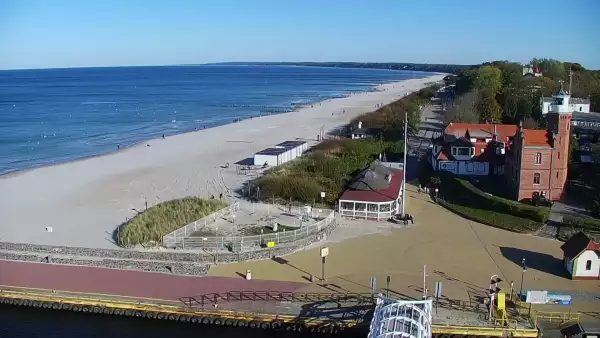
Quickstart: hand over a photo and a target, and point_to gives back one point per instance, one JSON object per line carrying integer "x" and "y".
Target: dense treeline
{"x": 498, "y": 92}
{"x": 422, "y": 67}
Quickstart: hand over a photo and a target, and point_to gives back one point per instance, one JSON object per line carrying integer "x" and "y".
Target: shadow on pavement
{"x": 535, "y": 260}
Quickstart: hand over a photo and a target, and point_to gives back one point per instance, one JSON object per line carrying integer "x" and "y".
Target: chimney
{"x": 495, "y": 136}
{"x": 359, "y": 124}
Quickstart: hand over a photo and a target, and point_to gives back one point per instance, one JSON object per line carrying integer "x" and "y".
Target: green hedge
{"x": 163, "y": 218}
{"x": 461, "y": 191}
{"x": 492, "y": 218}
{"x": 586, "y": 223}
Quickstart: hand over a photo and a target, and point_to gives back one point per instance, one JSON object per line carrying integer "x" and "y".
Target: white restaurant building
{"x": 374, "y": 194}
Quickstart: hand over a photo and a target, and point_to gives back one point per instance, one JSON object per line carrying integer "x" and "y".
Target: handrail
{"x": 274, "y": 296}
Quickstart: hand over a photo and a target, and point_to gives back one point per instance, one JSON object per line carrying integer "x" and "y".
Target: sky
{"x": 80, "y": 33}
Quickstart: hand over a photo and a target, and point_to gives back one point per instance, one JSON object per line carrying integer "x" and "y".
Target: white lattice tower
{"x": 398, "y": 318}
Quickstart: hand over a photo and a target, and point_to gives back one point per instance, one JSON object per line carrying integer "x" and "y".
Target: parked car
{"x": 541, "y": 201}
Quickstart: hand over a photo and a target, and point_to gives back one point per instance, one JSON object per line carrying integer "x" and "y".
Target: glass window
{"x": 588, "y": 265}
{"x": 536, "y": 178}
{"x": 385, "y": 207}
{"x": 372, "y": 207}
{"x": 360, "y": 206}
{"x": 464, "y": 151}
{"x": 538, "y": 158}
{"x": 347, "y": 205}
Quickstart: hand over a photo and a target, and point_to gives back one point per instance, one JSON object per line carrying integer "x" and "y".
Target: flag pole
{"x": 404, "y": 165}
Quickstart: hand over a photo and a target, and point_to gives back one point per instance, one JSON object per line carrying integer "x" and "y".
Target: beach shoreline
{"x": 84, "y": 200}
{"x": 124, "y": 147}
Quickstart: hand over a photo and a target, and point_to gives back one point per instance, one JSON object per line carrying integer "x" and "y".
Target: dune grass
{"x": 151, "y": 225}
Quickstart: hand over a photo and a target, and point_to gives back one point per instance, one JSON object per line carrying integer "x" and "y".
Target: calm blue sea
{"x": 56, "y": 115}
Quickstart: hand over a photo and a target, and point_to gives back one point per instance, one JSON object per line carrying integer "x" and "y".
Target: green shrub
{"x": 495, "y": 219}
{"x": 460, "y": 191}
{"x": 163, "y": 218}
{"x": 585, "y": 223}
{"x": 328, "y": 167}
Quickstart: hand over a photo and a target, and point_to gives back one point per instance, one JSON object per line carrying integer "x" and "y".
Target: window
{"x": 580, "y": 108}
{"x": 538, "y": 158}
{"x": 559, "y": 155}
{"x": 557, "y": 175}
{"x": 464, "y": 151}
{"x": 453, "y": 151}
{"x": 588, "y": 265}
{"x": 536, "y": 178}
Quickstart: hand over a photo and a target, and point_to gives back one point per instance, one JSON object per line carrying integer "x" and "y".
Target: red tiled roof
{"x": 384, "y": 195}
{"x": 537, "y": 138}
{"x": 504, "y": 131}
{"x": 577, "y": 244}
{"x": 445, "y": 154}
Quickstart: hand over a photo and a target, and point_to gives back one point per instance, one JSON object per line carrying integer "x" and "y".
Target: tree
{"x": 413, "y": 111}
{"x": 488, "y": 108}
{"x": 463, "y": 109}
{"x": 530, "y": 123}
{"x": 488, "y": 78}
{"x": 551, "y": 68}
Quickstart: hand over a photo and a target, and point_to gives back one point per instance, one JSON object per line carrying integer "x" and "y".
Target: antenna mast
{"x": 570, "y": 79}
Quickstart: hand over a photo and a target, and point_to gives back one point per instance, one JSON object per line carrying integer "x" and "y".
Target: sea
{"x": 20, "y": 322}
{"x": 50, "y": 116}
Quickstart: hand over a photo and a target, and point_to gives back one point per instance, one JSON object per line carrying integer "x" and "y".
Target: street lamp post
{"x": 522, "y": 277}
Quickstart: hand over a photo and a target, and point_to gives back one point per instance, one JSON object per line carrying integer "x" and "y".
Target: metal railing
{"x": 176, "y": 237}
{"x": 274, "y": 296}
{"x": 253, "y": 242}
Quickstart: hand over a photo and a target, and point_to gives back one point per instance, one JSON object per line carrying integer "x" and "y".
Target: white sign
{"x": 324, "y": 252}
{"x": 537, "y": 297}
{"x": 322, "y": 194}
{"x": 48, "y": 229}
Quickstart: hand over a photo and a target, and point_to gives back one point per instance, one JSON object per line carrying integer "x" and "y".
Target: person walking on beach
{"x": 221, "y": 196}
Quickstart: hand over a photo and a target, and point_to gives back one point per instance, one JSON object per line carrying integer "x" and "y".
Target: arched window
{"x": 536, "y": 178}
{"x": 538, "y": 158}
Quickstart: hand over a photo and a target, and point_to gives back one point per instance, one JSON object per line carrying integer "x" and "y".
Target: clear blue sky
{"x": 75, "y": 33}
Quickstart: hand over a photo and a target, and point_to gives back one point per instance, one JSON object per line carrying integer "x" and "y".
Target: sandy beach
{"x": 83, "y": 201}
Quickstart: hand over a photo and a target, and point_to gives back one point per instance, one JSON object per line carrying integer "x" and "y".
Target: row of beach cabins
{"x": 280, "y": 153}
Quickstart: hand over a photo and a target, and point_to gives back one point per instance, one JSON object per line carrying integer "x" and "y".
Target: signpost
{"x": 389, "y": 279}
{"x": 324, "y": 254}
{"x": 373, "y": 284}
{"x": 438, "y": 294}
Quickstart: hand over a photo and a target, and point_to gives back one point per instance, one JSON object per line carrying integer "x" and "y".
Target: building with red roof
{"x": 581, "y": 257}
{"x": 532, "y": 162}
{"x": 374, "y": 194}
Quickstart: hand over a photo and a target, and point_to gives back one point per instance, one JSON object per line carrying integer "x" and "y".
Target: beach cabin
{"x": 295, "y": 148}
{"x": 581, "y": 257}
{"x": 271, "y": 157}
{"x": 362, "y": 132}
{"x": 374, "y": 194}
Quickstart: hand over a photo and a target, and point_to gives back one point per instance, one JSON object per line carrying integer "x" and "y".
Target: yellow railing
{"x": 168, "y": 309}
{"x": 535, "y": 316}
{"x": 483, "y": 331}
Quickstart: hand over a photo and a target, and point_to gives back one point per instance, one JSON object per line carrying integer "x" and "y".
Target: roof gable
{"x": 577, "y": 244}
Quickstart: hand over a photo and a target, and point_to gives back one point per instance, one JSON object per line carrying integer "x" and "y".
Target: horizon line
{"x": 235, "y": 62}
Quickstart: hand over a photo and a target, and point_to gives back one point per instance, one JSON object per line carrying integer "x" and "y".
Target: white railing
{"x": 242, "y": 243}
{"x": 176, "y": 237}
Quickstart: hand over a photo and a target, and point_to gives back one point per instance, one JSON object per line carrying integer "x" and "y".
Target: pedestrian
{"x": 221, "y": 196}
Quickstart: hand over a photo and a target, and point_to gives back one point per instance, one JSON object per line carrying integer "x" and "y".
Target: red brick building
{"x": 531, "y": 161}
